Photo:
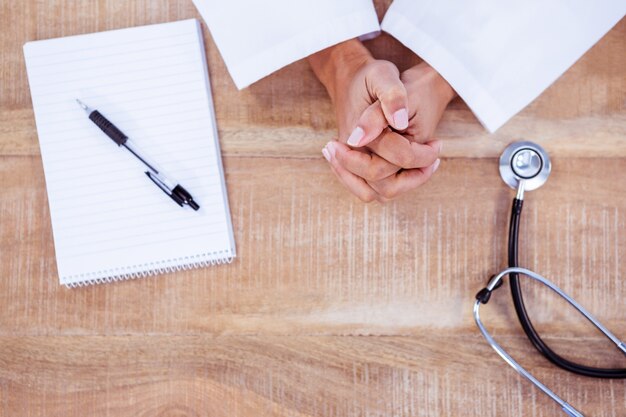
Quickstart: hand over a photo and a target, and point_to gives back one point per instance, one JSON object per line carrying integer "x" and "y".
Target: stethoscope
{"x": 525, "y": 166}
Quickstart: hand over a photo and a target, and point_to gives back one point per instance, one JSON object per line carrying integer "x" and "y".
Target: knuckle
{"x": 383, "y": 170}
{"x": 374, "y": 172}
{"x": 387, "y": 192}
{"x": 393, "y": 93}
{"x": 386, "y": 66}
{"x": 381, "y": 68}
{"x": 390, "y": 194}
{"x": 367, "y": 198}
{"x": 407, "y": 159}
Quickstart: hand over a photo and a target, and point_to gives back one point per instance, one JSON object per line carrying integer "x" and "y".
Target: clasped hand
{"x": 385, "y": 119}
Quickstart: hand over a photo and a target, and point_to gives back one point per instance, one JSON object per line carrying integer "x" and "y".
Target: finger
{"x": 354, "y": 184}
{"x": 370, "y": 125}
{"x": 403, "y": 181}
{"x": 386, "y": 86}
{"x": 406, "y": 154}
{"x": 366, "y": 165}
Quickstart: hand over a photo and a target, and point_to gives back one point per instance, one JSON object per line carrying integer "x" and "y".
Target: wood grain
{"x": 333, "y": 307}
{"x": 174, "y": 375}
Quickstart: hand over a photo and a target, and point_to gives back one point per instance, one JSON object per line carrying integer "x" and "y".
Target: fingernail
{"x": 331, "y": 148}
{"x": 437, "y": 162}
{"x": 356, "y": 136}
{"x": 401, "y": 119}
{"x": 440, "y": 146}
{"x": 326, "y": 154}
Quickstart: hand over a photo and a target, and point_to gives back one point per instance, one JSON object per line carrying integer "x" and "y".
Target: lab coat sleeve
{"x": 256, "y": 38}
{"x": 500, "y": 55}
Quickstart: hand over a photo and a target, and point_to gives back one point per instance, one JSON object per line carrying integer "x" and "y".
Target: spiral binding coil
{"x": 180, "y": 264}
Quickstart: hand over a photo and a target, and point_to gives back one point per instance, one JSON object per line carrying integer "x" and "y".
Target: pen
{"x": 169, "y": 187}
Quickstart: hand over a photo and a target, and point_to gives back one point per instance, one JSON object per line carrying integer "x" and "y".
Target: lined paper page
{"x": 108, "y": 218}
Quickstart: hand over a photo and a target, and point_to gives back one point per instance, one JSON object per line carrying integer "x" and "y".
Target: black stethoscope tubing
{"x": 526, "y": 166}
{"x": 522, "y": 314}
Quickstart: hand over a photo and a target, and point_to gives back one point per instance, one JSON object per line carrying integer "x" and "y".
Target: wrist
{"x": 446, "y": 90}
{"x": 335, "y": 66}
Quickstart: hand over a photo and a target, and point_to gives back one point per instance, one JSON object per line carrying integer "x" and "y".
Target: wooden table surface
{"x": 333, "y": 307}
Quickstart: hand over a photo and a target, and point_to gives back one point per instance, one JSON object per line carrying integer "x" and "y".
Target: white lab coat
{"x": 497, "y": 55}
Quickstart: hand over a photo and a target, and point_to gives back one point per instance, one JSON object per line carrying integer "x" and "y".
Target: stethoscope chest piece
{"x": 525, "y": 161}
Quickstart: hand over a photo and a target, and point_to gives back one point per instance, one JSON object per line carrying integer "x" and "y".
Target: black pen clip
{"x": 165, "y": 188}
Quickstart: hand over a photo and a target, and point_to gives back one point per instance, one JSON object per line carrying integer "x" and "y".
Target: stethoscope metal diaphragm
{"x": 525, "y": 161}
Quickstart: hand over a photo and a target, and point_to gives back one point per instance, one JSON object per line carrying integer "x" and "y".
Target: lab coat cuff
{"x": 325, "y": 34}
{"x": 485, "y": 107}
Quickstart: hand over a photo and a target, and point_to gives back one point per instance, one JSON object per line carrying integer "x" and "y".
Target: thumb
{"x": 386, "y": 86}
{"x": 370, "y": 125}
{"x": 390, "y": 108}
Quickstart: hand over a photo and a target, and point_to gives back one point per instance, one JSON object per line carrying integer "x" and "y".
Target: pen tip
{"x": 83, "y": 105}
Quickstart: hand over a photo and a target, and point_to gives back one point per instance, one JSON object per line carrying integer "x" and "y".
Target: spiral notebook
{"x": 109, "y": 221}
